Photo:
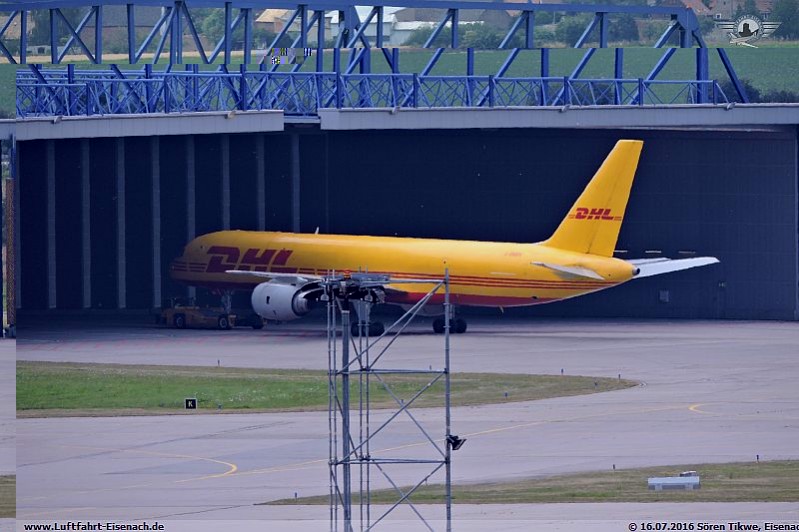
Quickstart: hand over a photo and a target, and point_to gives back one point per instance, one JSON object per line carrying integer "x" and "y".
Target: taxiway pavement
{"x": 711, "y": 392}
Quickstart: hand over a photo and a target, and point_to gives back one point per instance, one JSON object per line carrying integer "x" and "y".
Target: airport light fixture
{"x": 455, "y": 442}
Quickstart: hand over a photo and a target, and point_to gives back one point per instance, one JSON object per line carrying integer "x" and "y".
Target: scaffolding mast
{"x": 356, "y": 364}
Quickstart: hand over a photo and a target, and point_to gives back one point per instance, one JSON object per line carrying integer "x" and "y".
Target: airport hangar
{"x": 105, "y": 203}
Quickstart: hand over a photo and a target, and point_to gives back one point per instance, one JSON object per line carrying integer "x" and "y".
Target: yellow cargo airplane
{"x": 284, "y": 269}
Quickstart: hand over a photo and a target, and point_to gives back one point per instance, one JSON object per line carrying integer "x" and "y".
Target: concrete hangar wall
{"x": 731, "y": 193}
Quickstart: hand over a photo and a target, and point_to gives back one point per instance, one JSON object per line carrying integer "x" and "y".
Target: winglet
{"x": 592, "y": 225}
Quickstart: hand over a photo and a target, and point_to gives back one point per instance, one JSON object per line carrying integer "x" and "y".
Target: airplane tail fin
{"x": 593, "y": 223}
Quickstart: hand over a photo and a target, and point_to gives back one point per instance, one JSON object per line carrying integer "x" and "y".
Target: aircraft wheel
{"x": 257, "y": 322}
{"x": 459, "y": 326}
{"x": 223, "y": 322}
{"x": 438, "y": 325}
{"x": 179, "y": 321}
{"x": 376, "y": 328}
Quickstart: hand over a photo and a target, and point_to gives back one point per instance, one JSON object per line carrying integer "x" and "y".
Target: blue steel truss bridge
{"x": 350, "y": 82}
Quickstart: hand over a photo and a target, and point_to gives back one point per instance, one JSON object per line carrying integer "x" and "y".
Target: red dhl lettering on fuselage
{"x": 584, "y": 213}
{"x": 225, "y": 258}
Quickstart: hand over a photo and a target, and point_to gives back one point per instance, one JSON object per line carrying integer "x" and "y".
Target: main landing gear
{"x": 456, "y": 325}
{"x": 364, "y": 323}
{"x": 374, "y": 328}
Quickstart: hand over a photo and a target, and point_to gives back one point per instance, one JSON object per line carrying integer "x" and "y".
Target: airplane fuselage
{"x": 497, "y": 274}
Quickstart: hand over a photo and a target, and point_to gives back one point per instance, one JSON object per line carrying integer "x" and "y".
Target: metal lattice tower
{"x": 357, "y": 364}
{"x": 9, "y": 241}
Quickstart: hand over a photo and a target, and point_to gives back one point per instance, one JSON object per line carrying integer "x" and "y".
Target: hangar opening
{"x": 101, "y": 218}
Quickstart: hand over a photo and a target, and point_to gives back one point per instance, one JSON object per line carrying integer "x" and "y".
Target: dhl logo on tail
{"x": 584, "y": 213}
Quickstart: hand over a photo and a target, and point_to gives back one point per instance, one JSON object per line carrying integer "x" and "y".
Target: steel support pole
{"x": 544, "y": 74}
{"x": 85, "y": 223}
{"x": 51, "y": 255}
{"x": 224, "y": 142}
{"x": 303, "y": 26}
{"x": 121, "y": 240}
{"x": 228, "y": 33}
{"x": 447, "y": 393}
{"x": 603, "y": 30}
{"x": 701, "y": 75}
{"x": 98, "y": 35}
{"x": 191, "y": 200}
{"x": 295, "y": 182}
{"x": 132, "y": 58}
{"x": 345, "y": 419}
{"x": 155, "y": 172}
{"x": 247, "y": 12}
{"x": 529, "y": 30}
{"x": 618, "y": 73}
{"x": 23, "y": 41}
{"x": 260, "y": 181}
{"x": 53, "y": 37}
{"x": 177, "y": 33}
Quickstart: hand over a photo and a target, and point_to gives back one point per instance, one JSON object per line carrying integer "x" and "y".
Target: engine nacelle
{"x": 281, "y": 302}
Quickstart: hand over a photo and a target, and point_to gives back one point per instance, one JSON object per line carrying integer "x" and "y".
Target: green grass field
{"x": 45, "y": 388}
{"x": 8, "y": 74}
{"x": 8, "y": 497}
{"x": 776, "y": 481}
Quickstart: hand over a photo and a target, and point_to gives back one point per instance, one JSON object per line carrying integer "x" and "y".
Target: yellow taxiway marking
{"x": 232, "y": 468}
{"x": 695, "y": 408}
{"x": 307, "y": 464}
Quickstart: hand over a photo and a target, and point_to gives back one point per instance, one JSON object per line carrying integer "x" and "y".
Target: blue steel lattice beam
{"x": 440, "y": 27}
{"x": 587, "y": 31}
{"x": 638, "y": 97}
{"x": 81, "y": 92}
{"x": 589, "y": 53}
{"x": 176, "y": 13}
{"x": 739, "y": 87}
{"x": 23, "y": 18}
{"x": 74, "y": 34}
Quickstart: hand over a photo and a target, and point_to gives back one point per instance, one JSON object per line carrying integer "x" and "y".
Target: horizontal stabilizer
{"x": 577, "y": 271}
{"x": 650, "y": 267}
{"x": 287, "y": 278}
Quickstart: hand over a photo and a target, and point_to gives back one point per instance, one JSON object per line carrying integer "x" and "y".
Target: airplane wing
{"x": 285, "y": 278}
{"x": 578, "y": 271}
{"x": 650, "y": 267}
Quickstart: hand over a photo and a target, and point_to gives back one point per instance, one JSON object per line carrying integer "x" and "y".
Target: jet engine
{"x": 283, "y": 302}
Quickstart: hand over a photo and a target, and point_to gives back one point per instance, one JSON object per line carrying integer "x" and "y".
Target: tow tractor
{"x": 182, "y": 314}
